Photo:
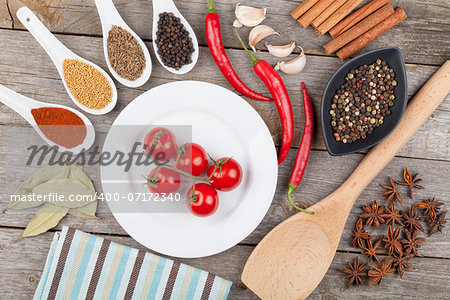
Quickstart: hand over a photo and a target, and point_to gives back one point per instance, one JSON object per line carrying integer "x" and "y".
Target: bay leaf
{"x": 37, "y": 178}
{"x": 77, "y": 173}
{"x": 87, "y": 211}
{"x": 46, "y": 218}
{"x": 68, "y": 189}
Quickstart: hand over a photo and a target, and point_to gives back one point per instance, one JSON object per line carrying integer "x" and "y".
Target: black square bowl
{"x": 394, "y": 59}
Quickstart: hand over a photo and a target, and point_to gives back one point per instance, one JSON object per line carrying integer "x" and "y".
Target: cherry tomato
{"x": 226, "y": 174}
{"x": 163, "y": 181}
{"x": 164, "y": 142}
{"x": 203, "y": 201}
{"x": 192, "y": 158}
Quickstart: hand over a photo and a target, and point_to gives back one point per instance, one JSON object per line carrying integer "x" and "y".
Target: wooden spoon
{"x": 292, "y": 259}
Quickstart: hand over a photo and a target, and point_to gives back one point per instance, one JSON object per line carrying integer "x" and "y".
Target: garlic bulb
{"x": 294, "y": 66}
{"x": 281, "y": 51}
{"x": 258, "y": 33}
{"x": 249, "y": 16}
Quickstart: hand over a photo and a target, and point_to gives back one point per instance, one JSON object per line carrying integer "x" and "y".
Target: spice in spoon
{"x": 175, "y": 46}
{"x": 125, "y": 53}
{"x": 60, "y": 125}
{"x": 87, "y": 84}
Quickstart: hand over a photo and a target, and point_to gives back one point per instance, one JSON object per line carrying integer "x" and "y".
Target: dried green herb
{"x": 65, "y": 188}
{"x": 38, "y": 177}
{"x": 87, "y": 211}
{"x": 56, "y": 180}
{"x": 46, "y": 218}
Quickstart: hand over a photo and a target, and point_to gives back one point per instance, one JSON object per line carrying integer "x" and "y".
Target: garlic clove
{"x": 294, "y": 66}
{"x": 237, "y": 24}
{"x": 258, "y": 33}
{"x": 281, "y": 51}
{"x": 249, "y": 16}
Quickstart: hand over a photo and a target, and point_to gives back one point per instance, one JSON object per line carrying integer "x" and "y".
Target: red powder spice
{"x": 60, "y": 125}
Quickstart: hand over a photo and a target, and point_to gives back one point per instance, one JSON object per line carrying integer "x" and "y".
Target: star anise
{"x": 431, "y": 207}
{"x": 412, "y": 220}
{"x": 437, "y": 224}
{"x": 360, "y": 234}
{"x": 392, "y": 242}
{"x": 376, "y": 273}
{"x": 354, "y": 272}
{"x": 411, "y": 243}
{"x": 411, "y": 182}
{"x": 400, "y": 263}
{"x": 372, "y": 250}
{"x": 392, "y": 215}
{"x": 391, "y": 192}
{"x": 373, "y": 214}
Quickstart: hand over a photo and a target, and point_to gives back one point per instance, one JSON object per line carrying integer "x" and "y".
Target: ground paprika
{"x": 60, "y": 125}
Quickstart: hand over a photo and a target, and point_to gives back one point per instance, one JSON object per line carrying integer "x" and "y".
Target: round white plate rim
{"x": 257, "y": 213}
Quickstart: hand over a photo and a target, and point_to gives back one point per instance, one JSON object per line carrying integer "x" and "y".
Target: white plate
{"x": 225, "y": 125}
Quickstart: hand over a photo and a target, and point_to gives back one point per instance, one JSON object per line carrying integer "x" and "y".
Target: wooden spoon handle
{"x": 420, "y": 108}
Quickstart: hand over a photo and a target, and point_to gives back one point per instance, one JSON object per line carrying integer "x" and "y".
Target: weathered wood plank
{"x": 22, "y": 265}
{"x": 32, "y": 73}
{"x": 427, "y": 23}
{"x": 323, "y": 175}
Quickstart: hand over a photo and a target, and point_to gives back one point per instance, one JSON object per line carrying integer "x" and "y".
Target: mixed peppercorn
{"x": 401, "y": 239}
{"x": 174, "y": 44}
{"x": 363, "y": 101}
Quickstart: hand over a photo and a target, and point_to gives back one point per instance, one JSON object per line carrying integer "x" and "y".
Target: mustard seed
{"x": 87, "y": 84}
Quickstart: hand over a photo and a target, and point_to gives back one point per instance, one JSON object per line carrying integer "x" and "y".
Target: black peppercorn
{"x": 175, "y": 46}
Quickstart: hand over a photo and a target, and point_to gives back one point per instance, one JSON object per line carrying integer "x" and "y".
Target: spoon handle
{"x": 54, "y": 48}
{"x": 108, "y": 13}
{"x": 20, "y": 104}
{"x": 426, "y": 101}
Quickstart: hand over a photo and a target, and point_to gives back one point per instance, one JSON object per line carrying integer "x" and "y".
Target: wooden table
{"x": 423, "y": 39}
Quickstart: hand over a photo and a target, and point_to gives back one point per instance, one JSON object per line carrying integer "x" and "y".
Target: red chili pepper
{"x": 305, "y": 147}
{"x": 280, "y": 96}
{"x": 214, "y": 40}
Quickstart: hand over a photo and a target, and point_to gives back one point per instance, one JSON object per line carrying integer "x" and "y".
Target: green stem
{"x": 254, "y": 59}
{"x": 211, "y": 7}
{"x": 291, "y": 189}
{"x": 187, "y": 174}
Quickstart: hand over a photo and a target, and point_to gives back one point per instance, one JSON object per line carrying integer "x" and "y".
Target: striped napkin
{"x": 83, "y": 266}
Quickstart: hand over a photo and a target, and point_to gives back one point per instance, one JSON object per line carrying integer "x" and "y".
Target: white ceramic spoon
{"x": 160, "y": 6}
{"x": 109, "y": 16}
{"x": 58, "y": 53}
{"x": 23, "y": 106}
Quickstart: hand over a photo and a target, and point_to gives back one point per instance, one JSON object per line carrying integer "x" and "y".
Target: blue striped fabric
{"x": 83, "y": 266}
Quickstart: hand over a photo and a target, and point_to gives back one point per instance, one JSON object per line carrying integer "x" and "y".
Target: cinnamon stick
{"x": 359, "y": 29}
{"x": 357, "y": 16}
{"x": 314, "y": 12}
{"x": 327, "y": 12}
{"x": 337, "y": 16}
{"x": 302, "y": 8}
{"x": 371, "y": 35}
